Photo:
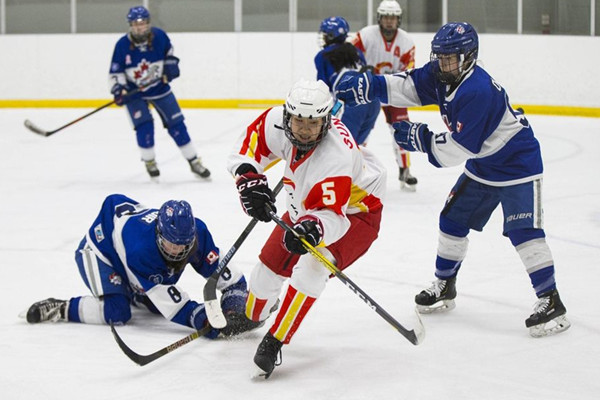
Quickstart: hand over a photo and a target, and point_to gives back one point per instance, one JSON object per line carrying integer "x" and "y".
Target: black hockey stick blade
{"x": 211, "y": 303}
{"x": 142, "y": 360}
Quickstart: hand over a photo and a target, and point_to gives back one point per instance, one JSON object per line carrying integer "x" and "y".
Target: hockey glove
{"x": 309, "y": 228}
{"x": 412, "y": 136}
{"x": 199, "y": 320}
{"x": 234, "y": 297}
{"x": 118, "y": 91}
{"x": 171, "y": 68}
{"x": 256, "y": 196}
{"x": 361, "y": 89}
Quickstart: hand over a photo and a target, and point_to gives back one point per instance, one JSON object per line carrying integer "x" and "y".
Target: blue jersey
{"x": 496, "y": 142}
{"x": 123, "y": 236}
{"x": 326, "y": 71}
{"x": 137, "y": 65}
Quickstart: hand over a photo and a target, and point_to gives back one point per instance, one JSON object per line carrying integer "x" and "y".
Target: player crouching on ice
{"x": 503, "y": 165}
{"x": 133, "y": 255}
{"x": 334, "y": 190}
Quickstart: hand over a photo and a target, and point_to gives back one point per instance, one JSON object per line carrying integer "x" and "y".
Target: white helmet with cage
{"x": 389, "y": 8}
{"x": 308, "y": 99}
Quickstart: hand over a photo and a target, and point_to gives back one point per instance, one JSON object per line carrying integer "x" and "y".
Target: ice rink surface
{"x": 51, "y": 190}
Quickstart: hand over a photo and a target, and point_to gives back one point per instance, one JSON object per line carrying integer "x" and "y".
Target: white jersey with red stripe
{"x": 386, "y": 57}
{"x": 334, "y": 179}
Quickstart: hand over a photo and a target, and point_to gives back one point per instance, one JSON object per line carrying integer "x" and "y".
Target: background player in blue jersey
{"x": 144, "y": 58}
{"x": 133, "y": 255}
{"x": 503, "y": 165}
{"x": 339, "y": 58}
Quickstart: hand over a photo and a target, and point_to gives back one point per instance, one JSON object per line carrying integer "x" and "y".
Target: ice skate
{"x": 199, "y": 169}
{"x": 407, "y": 181}
{"x": 548, "y": 316}
{"x": 152, "y": 169}
{"x": 438, "y": 298}
{"x": 265, "y": 359}
{"x": 52, "y": 310}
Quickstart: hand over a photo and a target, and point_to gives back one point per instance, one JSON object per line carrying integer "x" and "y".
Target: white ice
{"x": 51, "y": 190}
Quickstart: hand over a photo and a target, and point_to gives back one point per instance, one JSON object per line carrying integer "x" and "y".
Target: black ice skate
{"x": 266, "y": 355}
{"x": 438, "y": 298}
{"x": 548, "y": 316}
{"x": 199, "y": 169}
{"x": 407, "y": 181}
{"x": 52, "y": 310}
{"x": 152, "y": 168}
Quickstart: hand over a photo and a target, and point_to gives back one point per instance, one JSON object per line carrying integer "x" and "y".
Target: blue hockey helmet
{"x": 139, "y": 24}
{"x": 138, "y": 13}
{"x": 175, "y": 230}
{"x": 454, "y": 38}
{"x": 333, "y": 30}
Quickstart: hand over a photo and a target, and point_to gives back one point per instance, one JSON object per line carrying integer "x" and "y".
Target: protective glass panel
{"x": 489, "y": 16}
{"x": 265, "y": 16}
{"x": 193, "y": 15}
{"x": 311, "y": 13}
{"x": 104, "y": 16}
{"x": 38, "y": 16}
{"x": 556, "y": 17}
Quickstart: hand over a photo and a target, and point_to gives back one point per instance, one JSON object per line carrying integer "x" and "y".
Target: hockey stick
{"x": 142, "y": 360}
{"x": 35, "y": 129}
{"x": 414, "y": 336}
{"x": 211, "y": 304}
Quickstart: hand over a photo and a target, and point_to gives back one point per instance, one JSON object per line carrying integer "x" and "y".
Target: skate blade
{"x": 439, "y": 307}
{"x": 557, "y": 325}
{"x": 23, "y": 314}
{"x": 408, "y": 188}
{"x": 259, "y": 374}
{"x": 419, "y": 328}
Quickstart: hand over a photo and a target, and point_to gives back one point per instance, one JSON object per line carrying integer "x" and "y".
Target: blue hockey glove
{"x": 255, "y": 195}
{"x": 234, "y": 297}
{"x": 361, "y": 89}
{"x": 412, "y": 136}
{"x": 199, "y": 320}
{"x": 118, "y": 91}
{"x": 308, "y": 227}
{"x": 171, "y": 68}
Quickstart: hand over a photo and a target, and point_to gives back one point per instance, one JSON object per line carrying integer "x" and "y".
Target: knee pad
{"x": 116, "y": 309}
{"x": 532, "y": 248}
{"x": 451, "y": 247}
{"x": 179, "y": 133}
{"x": 309, "y": 275}
{"x": 264, "y": 288}
{"x": 145, "y": 134}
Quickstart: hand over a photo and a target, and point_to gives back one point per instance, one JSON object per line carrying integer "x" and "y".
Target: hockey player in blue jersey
{"x": 133, "y": 255}
{"x": 503, "y": 165}
{"x": 339, "y": 58}
{"x": 143, "y": 58}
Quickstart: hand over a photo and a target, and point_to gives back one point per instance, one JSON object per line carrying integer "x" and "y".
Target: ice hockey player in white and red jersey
{"x": 503, "y": 165}
{"x": 144, "y": 58}
{"x": 390, "y": 49}
{"x": 334, "y": 193}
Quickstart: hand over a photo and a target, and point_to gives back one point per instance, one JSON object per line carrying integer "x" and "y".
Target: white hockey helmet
{"x": 389, "y": 8}
{"x": 307, "y": 99}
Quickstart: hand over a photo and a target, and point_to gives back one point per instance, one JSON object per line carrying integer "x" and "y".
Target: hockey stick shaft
{"x": 211, "y": 303}
{"x": 32, "y": 127}
{"x": 142, "y": 360}
{"x": 412, "y": 336}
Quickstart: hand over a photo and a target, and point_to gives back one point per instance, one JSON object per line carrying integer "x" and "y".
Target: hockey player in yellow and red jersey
{"x": 390, "y": 49}
{"x": 334, "y": 191}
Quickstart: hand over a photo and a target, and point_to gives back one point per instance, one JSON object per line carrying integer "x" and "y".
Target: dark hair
{"x": 343, "y": 56}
